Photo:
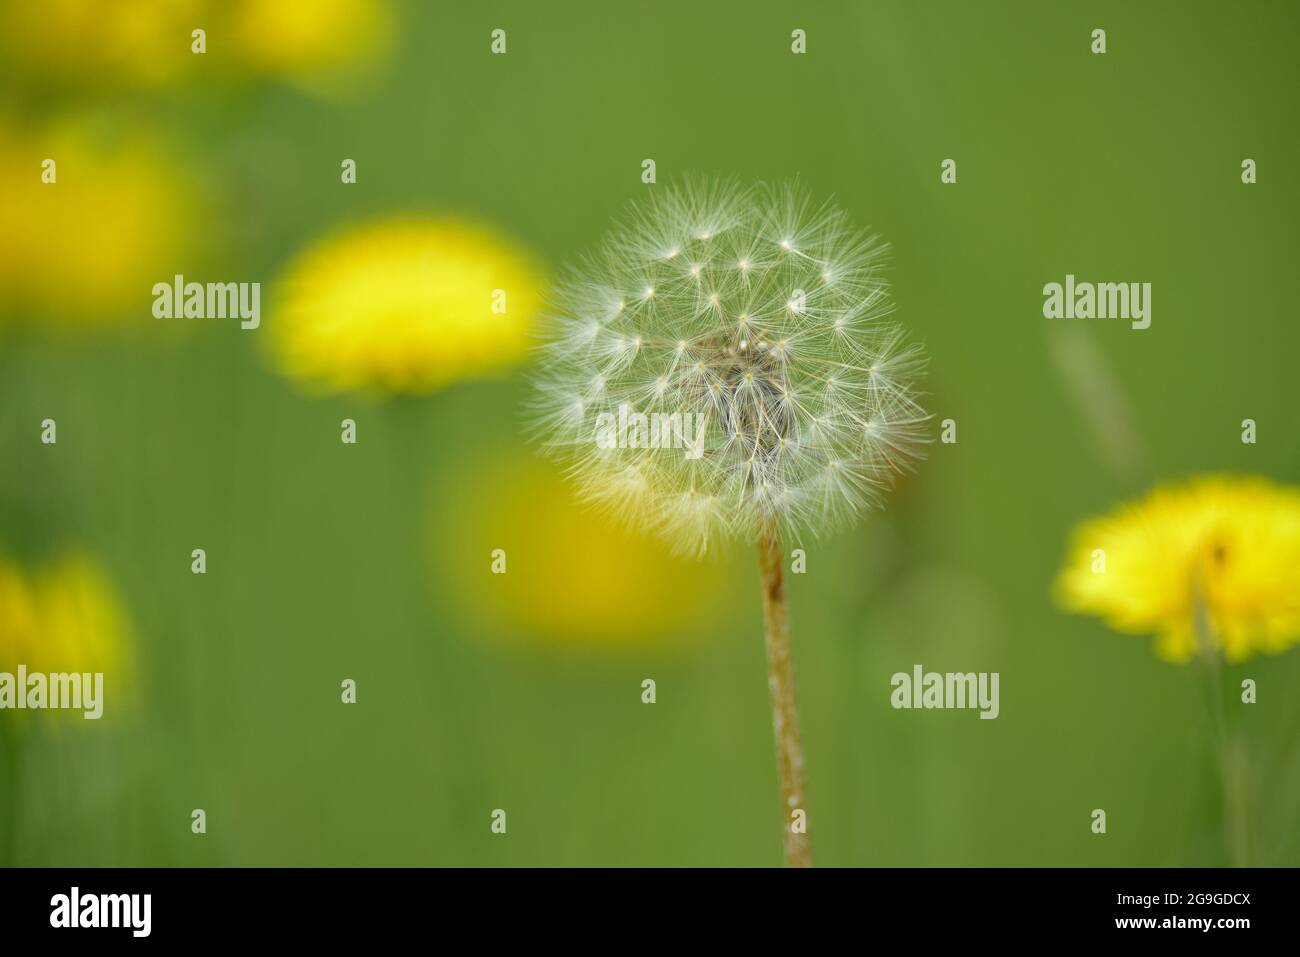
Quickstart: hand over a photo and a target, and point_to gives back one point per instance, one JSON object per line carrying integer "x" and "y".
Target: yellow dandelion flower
{"x": 405, "y": 307}
{"x": 315, "y": 46}
{"x": 87, "y": 247}
{"x": 139, "y": 43}
{"x": 1221, "y": 549}
{"x": 17, "y": 616}
{"x": 572, "y": 576}
{"x": 62, "y": 618}
{"x": 89, "y": 46}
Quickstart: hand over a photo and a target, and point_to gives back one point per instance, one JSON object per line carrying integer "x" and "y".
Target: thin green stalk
{"x": 9, "y": 785}
{"x": 1230, "y": 744}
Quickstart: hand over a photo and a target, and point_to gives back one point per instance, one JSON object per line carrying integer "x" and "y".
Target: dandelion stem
{"x": 1231, "y": 760}
{"x": 785, "y": 711}
{"x": 9, "y": 786}
{"x": 1230, "y": 744}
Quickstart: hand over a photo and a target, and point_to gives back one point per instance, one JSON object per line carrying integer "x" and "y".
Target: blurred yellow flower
{"x": 87, "y": 247}
{"x": 64, "y": 617}
{"x": 1222, "y": 548}
{"x": 91, "y": 45}
{"x": 317, "y": 45}
{"x": 405, "y": 307}
{"x": 125, "y": 43}
{"x": 572, "y": 575}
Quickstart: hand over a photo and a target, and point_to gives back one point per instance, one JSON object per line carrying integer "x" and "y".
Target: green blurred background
{"x": 328, "y": 561}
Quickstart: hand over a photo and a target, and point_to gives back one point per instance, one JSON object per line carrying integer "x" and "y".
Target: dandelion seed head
{"x": 803, "y": 437}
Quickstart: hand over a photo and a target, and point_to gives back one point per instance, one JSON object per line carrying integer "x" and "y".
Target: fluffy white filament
{"x": 761, "y": 321}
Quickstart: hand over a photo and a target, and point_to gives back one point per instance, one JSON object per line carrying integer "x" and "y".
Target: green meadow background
{"x": 371, "y": 562}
